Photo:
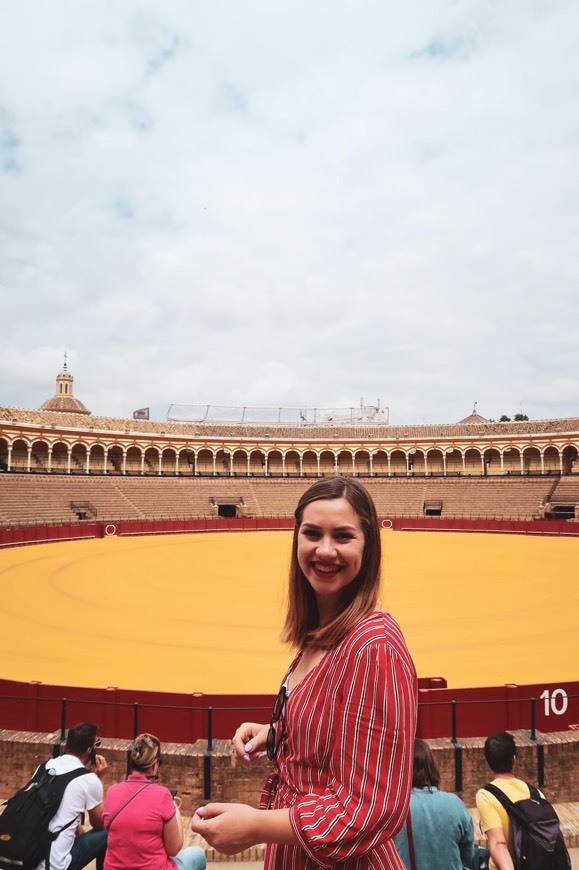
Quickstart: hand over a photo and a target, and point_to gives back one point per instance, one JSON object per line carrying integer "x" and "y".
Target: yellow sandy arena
{"x": 202, "y": 612}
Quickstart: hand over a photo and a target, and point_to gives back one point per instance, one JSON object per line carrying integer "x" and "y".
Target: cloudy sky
{"x": 281, "y": 202}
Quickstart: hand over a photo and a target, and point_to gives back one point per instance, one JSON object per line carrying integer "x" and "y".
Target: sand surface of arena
{"x": 202, "y": 612}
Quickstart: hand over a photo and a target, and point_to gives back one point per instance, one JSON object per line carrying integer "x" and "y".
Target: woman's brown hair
{"x": 426, "y": 773}
{"x": 360, "y": 596}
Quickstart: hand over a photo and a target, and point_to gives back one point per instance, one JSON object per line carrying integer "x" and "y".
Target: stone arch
{"x": 380, "y": 463}
{"x": 472, "y": 465}
{"x": 345, "y": 462}
{"x": 78, "y": 458}
{"x": 39, "y": 457}
{"x": 362, "y": 463}
{"x": 134, "y": 460}
{"x": 292, "y": 463}
{"x": 240, "y": 462}
{"x": 275, "y": 463}
{"x": 97, "y": 459}
{"x": 4, "y": 454}
{"x": 492, "y": 461}
{"x": 531, "y": 460}
{"x": 328, "y": 463}
{"x": 434, "y": 461}
{"x": 398, "y": 462}
{"x": 205, "y": 465}
{"x": 151, "y": 461}
{"x": 223, "y": 462}
{"x": 570, "y": 459}
{"x": 452, "y": 461}
{"x": 186, "y": 461}
{"x": 310, "y": 463}
{"x": 257, "y": 462}
{"x": 115, "y": 459}
{"x": 512, "y": 460}
{"x": 18, "y": 454}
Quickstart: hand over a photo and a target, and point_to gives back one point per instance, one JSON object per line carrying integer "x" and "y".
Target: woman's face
{"x": 330, "y": 548}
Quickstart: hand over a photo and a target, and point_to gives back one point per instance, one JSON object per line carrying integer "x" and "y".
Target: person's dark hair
{"x": 426, "y": 773}
{"x": 146, "y": 750}
{"x": 80, "y": 738}
{"x": 360, "y": 596}
{"x": 500, "y": 752}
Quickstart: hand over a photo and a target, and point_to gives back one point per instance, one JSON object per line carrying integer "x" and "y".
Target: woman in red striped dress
{"x": 343, "y": 725}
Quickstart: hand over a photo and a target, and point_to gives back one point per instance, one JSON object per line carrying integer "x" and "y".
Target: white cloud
{"x": 291, "y": 204}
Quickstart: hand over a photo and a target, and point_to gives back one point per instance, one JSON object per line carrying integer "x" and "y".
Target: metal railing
{"x": 207, "y": 713}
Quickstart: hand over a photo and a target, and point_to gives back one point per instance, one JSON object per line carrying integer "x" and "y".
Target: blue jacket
{"x": 442, "y": 831}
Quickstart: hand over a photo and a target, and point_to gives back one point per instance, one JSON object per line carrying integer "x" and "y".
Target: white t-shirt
{"x": 82, "y": 794}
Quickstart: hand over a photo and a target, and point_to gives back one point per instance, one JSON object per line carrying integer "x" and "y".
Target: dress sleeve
{"x": 370, "y": 778}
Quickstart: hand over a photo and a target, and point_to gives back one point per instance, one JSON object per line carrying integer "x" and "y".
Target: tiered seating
{"x": 567, "y": 491}
{"x": 34, "y": 498}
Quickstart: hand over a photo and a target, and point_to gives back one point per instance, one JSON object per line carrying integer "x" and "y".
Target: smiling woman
{"x": 343, "y": 724}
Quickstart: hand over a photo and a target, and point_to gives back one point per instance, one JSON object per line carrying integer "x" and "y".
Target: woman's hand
{"x": 249, "y": 741}
{"x": 229, "y": 828}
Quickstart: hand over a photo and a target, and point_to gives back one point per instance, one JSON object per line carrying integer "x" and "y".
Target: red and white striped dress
{"x": 345, "y": 767}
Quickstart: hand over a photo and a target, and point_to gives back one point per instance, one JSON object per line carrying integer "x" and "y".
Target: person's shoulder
{"x": 378, "y": 630}
{"x": 377, "y": 626}
{"x": 452, "y": 800}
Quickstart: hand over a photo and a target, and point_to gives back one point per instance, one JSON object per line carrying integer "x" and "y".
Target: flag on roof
{"x": 141, "y": 414}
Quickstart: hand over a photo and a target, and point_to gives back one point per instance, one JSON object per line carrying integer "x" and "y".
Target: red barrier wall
{"x": 75, "y": 531}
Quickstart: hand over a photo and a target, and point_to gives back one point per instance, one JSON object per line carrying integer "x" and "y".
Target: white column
{"x": 142, "y": 461}
{"x": 231, "y": 464}
{"x": 160, "y": 461}
{"x": 49, "y": 459}
{"x": 214, "y": 466}
{"x": 9, "y": 463}
{"x": 522, "y": 463}
{"x": 124, "y": 461}
{"x": 28, "y": 462}
{"x": 389, "y": 466}
{"x": 542, "y": 462}
{"x": 68, "y": 462}
{"x": 502, "y": 455}
{"x": 371, "y": 456}
{"x": 176, "y": 463}
{"x": 87, "y": 469}
{"x": 283, "y": 465}
{"x": 444, "y": 463}
{"x": 301, "y": 465}
{"x": 248, "y": 464}
{"x": 561, "y": 461}
{"x": 464, "y": 463}
{"x": 425, "y": 463}
{"x": 318, "y": 459}
{"x": 482, "y": 464}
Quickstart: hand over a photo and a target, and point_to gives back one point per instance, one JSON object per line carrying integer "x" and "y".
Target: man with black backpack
{"x": 522, "y": 827}
{"x": 41, "y": 824}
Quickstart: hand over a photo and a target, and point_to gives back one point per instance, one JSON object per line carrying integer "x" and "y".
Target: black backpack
{"x": 25, "y": 840}
{"x": 537, "y": 840}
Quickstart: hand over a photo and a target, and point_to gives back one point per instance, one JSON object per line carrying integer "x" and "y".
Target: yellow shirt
{"x": 493, "y": 814}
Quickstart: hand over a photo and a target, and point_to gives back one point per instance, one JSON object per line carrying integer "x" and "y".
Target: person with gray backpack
{"x": 522, "y": 828}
